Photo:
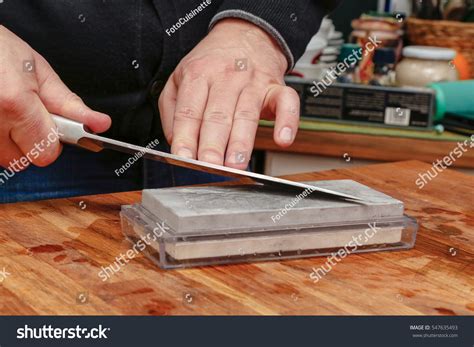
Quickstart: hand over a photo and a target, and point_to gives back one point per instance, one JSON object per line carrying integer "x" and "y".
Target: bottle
{"x": 453, "y": 97}
{"x": 350, "y": 57}
{"x": 384, "y": 67}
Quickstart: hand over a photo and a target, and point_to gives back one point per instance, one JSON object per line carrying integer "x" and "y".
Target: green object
{"x": 350, "y": 50}
{"x": 453, "y": 97}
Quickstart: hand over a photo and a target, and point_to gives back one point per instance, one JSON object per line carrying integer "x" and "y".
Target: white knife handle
{"x": 75, "y": 133}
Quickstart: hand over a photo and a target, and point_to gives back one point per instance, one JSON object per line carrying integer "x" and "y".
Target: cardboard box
{"x": 365, "y": 104}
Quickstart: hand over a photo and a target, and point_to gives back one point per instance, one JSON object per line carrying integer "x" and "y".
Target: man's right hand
{"x": 29, "y": 91}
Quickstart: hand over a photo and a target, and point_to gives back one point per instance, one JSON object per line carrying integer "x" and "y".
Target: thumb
{"x": 60, "y": 100}
{"x": 283, "y": 104}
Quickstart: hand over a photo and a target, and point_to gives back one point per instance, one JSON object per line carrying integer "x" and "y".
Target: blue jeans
{"x": 79, "y": 172}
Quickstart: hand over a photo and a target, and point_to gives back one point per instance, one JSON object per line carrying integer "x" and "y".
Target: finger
{"x": 167, "y": 106}
{"x": 190, "y": 106}
{"x": 284, "y": 103}
{"x": 59, "y": 99}
{"x": 10, "y": 156}
{"x": 217, "y": 122}
{"x": 35, "y": 133}
{"x": 244, "y": 128}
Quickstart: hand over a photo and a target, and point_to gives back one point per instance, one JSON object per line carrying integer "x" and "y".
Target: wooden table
{"x": 54, "y": 249}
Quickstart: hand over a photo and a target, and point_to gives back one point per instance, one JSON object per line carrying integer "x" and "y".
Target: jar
{"x": 384, "y": 67}
{"x": 422, "y": 65}
{"x": 370, "y": 40}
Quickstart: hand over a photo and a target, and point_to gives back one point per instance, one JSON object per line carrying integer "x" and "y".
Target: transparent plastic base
{"x": 170, "y": 249}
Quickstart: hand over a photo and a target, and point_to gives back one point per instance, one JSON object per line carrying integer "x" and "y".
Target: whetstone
{"x": 219, "y": 222}
{"x": 219, "y": 208}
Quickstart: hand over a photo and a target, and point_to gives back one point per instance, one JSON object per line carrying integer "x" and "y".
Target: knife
{"x": 75, "y": 133}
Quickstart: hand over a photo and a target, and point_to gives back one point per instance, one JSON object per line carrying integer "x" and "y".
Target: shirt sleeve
{"x": 290, "y": 23}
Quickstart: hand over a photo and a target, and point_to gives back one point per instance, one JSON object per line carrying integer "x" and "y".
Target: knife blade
{"x": 75, "y": 133}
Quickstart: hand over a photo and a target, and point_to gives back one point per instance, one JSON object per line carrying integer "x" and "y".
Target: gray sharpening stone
{"x": 216, "y": 209}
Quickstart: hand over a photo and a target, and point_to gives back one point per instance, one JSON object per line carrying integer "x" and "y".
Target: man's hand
{"x": 211, "y": 105}
{"x": 29, "y": 91}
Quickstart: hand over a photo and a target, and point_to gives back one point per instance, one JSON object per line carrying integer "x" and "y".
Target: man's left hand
{"x": 211, "y": 104}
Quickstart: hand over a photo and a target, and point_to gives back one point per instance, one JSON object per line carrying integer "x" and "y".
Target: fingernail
{"x": 186, "y": 153}
{"x": 286, "y": 134}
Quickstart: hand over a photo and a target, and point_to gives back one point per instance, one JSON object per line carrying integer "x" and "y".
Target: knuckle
{"x": 50, "y": 80}
{"x": 29, "y": 123}
{"x": 10, "y": 100}
{"x": 227, "y": 75}
{"x": 187, "y": 87}
{"x": 183, "y": 141}
{"x": 72, "y": 98}
{"x": 291, "y": 92}
{"x": 184, "y": 147}
{"x": 241, "y": 145}
{"x": 195, "y": 68}
{"x": 247, "y": 115}
{"x": 219, "y": 117}
{"x": 187, "y": 113}
{"x": 211, "y": 151}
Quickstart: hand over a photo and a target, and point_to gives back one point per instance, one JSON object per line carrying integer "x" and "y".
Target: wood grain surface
{"x": 51, "y": 253}
{"x": 362, "y": 146}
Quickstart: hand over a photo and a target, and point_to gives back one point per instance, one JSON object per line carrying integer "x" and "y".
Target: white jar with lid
{"x": 422, "y": 65}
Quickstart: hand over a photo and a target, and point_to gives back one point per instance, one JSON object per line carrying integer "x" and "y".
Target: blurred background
{"x": 382, "y": 81}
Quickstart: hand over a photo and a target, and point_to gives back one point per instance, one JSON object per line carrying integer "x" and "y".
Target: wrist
{"x": 256, "y": 38}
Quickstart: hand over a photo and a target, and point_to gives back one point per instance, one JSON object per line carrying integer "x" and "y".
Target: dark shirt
{"x": 117, "y": 54}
